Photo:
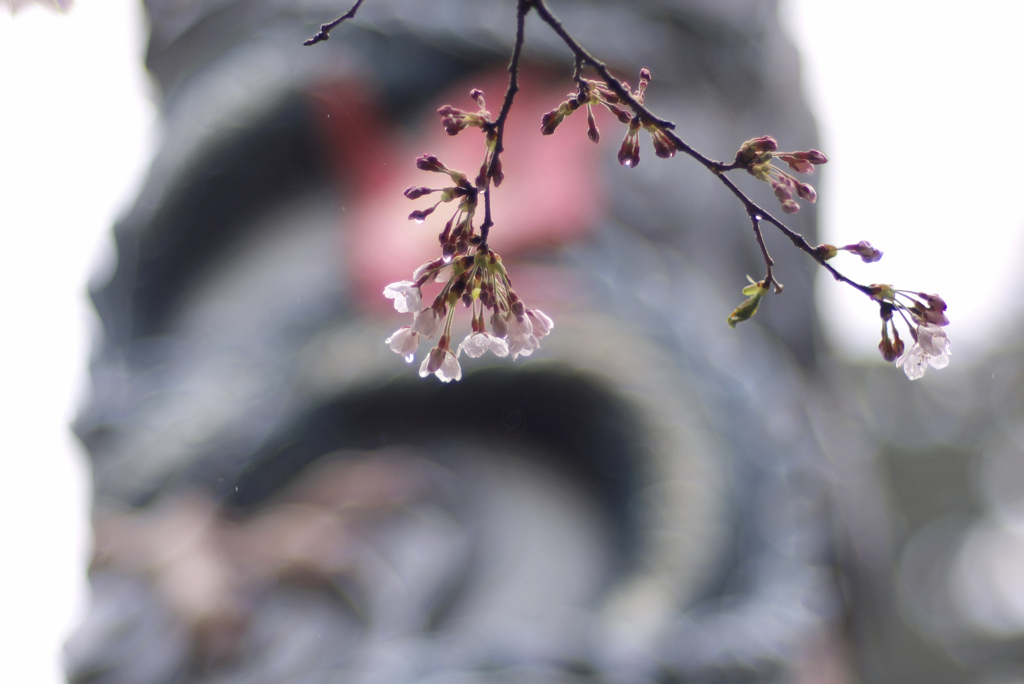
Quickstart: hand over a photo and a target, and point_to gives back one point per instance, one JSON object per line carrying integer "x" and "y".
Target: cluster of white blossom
{"x": 925, "y": 316}
{"x": 481, "y": 283}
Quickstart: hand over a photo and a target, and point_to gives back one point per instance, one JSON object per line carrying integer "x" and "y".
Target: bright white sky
{"x": 919, "y": 104}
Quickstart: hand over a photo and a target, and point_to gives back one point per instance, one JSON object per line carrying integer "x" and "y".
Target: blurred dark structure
{"x": 279, "y": 498}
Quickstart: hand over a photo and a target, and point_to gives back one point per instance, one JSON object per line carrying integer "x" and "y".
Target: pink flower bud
{"x": 799, "y": 165}
{"x": 765, "y": 143}
{"x": 592, "y": 132}
{"x": 429, "y": 162}
{"x": 629, "y": 152}
{"x": 806, "y": 192}
{"x": 934, "y": 301}
{"x": 478, "y": 97}
{"x": 497, "y": 175}
{"x": 420, "y": 215}
{"x": 782, "y": 191}
{"x": 934, "y": 316}
{"x": 790, "y": 207}
{"x": 623, "y": 116}
{"x": 663, "y": 145}
{"x": 867, "y": 253}
{"x": 816, "y": 157}
{"x": 888, "y": 353}
{"x": 549, "y": 122}
{"x": 417, "y": 192}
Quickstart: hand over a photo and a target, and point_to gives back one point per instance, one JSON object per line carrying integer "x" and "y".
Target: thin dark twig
{"x": 325, "y": 29}
{"x": 753, "y": 209}
{"x": 667, "y": 127}
{"x": 577, "y": 73}
{"x": 498, "y": 126}
{"x": 755, "y": 219}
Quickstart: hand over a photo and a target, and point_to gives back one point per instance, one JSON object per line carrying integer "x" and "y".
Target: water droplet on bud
{"x": 627, "y": 163}
{"x": 419, "y": 220}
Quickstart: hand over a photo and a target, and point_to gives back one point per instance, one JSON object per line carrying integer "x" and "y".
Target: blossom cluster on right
{"x": 925, "y": 316}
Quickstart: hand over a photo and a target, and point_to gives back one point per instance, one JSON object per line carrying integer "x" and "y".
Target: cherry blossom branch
{"x": 476, "y": 277}
{"x": 325, "y": 29}
{"x": 498, "y": 127}
{"x": 718, "y": 168}
{"x": 758, "y": 214}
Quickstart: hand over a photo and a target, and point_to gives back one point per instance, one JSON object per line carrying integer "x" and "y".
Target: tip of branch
{"x": 320, "y": 37}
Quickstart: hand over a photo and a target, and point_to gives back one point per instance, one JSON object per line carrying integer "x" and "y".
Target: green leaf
{"x": 748, "y": 308}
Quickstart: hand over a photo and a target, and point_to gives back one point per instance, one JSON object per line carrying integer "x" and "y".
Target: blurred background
{"x": 916, "y": 104}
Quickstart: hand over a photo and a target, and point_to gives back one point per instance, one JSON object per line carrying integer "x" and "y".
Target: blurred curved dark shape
{"x": 278, "y": 498}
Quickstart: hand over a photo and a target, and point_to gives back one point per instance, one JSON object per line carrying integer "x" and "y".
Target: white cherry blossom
{"x": 406, "y": 295}
{"x": 404, "y": 343}
{"x": 542, "y": 323}
{"x": 521, "y": 340}
{"x": 478, "y": 343}
{"x": 443, "y": 364}
{"x": 931, "y": 349}
{"x": 426, "y": 323}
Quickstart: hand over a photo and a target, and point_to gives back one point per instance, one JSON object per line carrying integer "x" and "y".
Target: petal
{"x": 474, "y": 345}
{"x": 541, "y": 323}
{"x": 425, "y": 366}
{"x": 426, "y": 323}
{"x": 404, "y": 342}
{"x": 406, "y": 295}
{"x": 433, "y": 361}
{"x": 523, "y": 346}
{"x": 916, "y": 363}
{"x": 498, "y": 346}
{"x": 450, "y": 368}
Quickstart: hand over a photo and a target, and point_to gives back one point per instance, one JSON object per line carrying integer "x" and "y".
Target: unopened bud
{"x": 798, "y": 165}
{"x": 429, "y": 162}
{"x": 592, "y": 132}
{"x": 497, "y": 175}
{"x": 782, "y": 192}
{"x": 629, "y": 151}
{"x": 934, "y": 301}
{"x": 663, "y": 145}
{"x": 549, "y": 122}
{"x": 825, "y": 251}
{"x": 885, "y": 346}
{"x": 897, "y": 345}
{"x": 816, "y": 157}
{"x": 933, "y": 316}
{"x": 420, "y": 215}
{"x": 417, "y": 192}
{"x": 806, "y": 192}
{"x": 867, "y": 253}
{"x": 623, "y": 116}
{"x": 765, "y": 143}
{"x": 790, "y": 207}
{"x": 645, "y": 74}
{"x": 478, "y": 97}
